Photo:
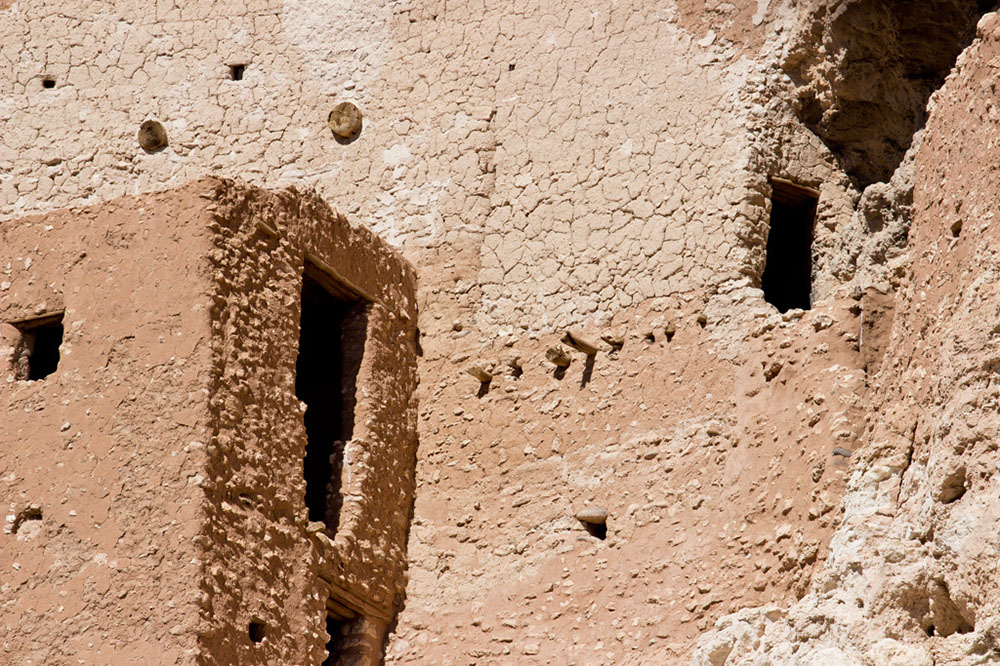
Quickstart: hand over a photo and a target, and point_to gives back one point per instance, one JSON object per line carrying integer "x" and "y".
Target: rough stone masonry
{"x": 770, "y": 218}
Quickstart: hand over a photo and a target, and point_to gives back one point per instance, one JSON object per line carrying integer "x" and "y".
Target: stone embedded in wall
{"x": 480, "y": 373}
{"x": 558, "y": 357}
{"x": 577, "y": 342}
{"x": 345, "y": 121}
{"x": 592, "y": 515}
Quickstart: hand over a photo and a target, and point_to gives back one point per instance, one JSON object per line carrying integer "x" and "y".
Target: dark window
{"x": 236, "y": 72}
{"x": 48, "y": 83}
{"x": 332, "y": 333}
{"x": 787, "y": 278}
{"x": 37, "y": 356}
{"x": 337, "y": 630}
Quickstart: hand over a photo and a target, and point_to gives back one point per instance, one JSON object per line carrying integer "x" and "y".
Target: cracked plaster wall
{"x": 585, "y": 160}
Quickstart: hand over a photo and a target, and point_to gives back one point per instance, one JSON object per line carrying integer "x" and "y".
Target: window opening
{"x": 236, "y": 72}
{"x": 37, "y": 356}
{"x": 48, "y": 83}
{"x": 787, "y": 278}
{"x": 332, "y": 335}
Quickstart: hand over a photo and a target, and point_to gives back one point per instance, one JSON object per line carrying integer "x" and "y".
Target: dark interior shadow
{"x": 600, "y": 531}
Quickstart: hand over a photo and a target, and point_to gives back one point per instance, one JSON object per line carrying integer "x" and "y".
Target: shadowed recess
{"x": 787, "y": 278}
{"x": 331, "y": 343}
{"x": 865, "y": 69}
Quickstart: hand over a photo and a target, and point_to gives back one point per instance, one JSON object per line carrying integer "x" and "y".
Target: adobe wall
{"x": 544, "y": 166}
{"x": 110, "y": 450}
{"x": 265, "y": 561}
{"x": 158, "y": 474}
{"x": 717, "y": 474}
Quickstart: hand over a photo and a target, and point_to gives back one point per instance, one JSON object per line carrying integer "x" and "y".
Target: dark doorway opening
{"x": 332, "y": 334}
{"x": 344, "y": 627}
{"x": 37, "y": 356}
{"x": 236, "y": 72}
{"x": 787, "y": 278}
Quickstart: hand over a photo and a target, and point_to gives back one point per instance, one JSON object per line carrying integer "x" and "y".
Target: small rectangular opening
{"x": 343, "y": 626}
{"x": 236, "y": 72}
{"x": 37, "y": 354}
{"x": 332, "y": 332}
{"x": 787, "y": 278}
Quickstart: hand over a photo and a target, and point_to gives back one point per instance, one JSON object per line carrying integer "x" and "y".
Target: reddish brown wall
{"x": 110, "y": 447}
{"x": 717, "y": 471}
{"x": 166, "y": 453}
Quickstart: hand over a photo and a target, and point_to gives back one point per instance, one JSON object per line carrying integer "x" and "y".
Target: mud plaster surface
{"x": 161, "y": 463}
{"x": 542, "y": 166}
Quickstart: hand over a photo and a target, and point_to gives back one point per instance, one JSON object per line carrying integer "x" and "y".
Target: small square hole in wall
{"x": 257, "y": 631}
{"x": 236, "y": 72}
{"x": 37, "y": 355}
{"x": 48, "y": 83}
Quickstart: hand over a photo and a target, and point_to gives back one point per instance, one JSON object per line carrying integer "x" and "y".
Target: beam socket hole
{"x": 257, "y": 631}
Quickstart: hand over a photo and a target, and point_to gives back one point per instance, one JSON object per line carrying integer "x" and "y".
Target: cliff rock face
{"x": 911, "y": 575}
